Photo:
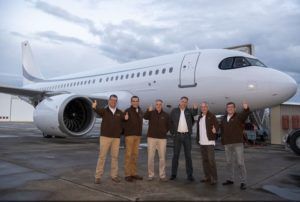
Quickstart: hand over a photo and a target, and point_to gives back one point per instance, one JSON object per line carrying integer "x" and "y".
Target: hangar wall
{"x": 14, "y": 109}
{"x": 283, "y": 118}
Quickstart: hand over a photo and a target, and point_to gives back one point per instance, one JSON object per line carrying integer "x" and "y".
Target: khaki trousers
{"x": 160, "y": 145}
{"x": 107, "y": 143}
{"x": 131, "y": 154}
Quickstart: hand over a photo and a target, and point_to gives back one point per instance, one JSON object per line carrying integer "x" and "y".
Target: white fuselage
{"x": 195, "y": 74}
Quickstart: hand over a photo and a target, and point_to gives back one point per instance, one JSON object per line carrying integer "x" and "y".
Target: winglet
{"x": 31, "y": 74}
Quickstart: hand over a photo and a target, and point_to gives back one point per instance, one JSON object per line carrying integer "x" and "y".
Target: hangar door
{"x": 187, "y": 75}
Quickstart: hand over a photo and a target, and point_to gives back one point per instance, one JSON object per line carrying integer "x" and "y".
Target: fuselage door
{"x": 187, "y": 75}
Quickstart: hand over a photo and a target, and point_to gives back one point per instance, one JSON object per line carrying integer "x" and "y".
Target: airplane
{"x": 63, "y": 105}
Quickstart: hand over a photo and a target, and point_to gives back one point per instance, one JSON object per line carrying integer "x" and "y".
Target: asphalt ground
{"x": 39, "y": 169}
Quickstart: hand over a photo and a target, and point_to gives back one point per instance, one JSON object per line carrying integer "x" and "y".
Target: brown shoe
{"x": 164, "y": 179}
{"x": 97, "y": 181}
{"x": 137, "y": 177}
{"x": 116, "y": 179}
{"x": 129, "y": 179}
{"x": 204, "y": 180}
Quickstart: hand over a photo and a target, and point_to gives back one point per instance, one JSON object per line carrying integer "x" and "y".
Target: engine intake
{"x": 65, "y": 115}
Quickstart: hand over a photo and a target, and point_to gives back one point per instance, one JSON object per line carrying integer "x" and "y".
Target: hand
{"x": 245, "y": 104}
{"x": 94, "y": 105}
{"x": 214, "y": 130}
{"x": 150, "y": 108}
{"x": 126, "y": 116}
{"x": 195, "y": 106}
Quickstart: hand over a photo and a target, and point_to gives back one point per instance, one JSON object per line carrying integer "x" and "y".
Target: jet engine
{"x": 64, "y": 115}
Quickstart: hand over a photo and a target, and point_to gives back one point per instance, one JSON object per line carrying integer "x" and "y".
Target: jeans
{"x": 184, "y": 140}
{"x": 235, "y": 153}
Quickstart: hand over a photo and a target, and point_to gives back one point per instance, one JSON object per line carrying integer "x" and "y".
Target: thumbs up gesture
{"x": 94, "y": 105}
{"x": 214, "y": 130}
{"x": 126, "y": 116}
{"x": 150, "y": 108}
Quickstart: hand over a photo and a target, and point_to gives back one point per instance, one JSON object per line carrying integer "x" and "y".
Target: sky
{"x": 69, "y": 36}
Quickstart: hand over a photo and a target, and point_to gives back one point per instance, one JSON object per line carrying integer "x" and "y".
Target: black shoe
{"x": 129, "y": 179}
{"x": 228, "y": 182}
{"x": 137, "y": 177}
{"x": 191, "y": 179}
{"x": 243, "y": 186}
{"x": 173, "y": 177}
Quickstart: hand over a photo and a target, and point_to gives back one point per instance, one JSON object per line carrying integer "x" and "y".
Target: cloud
{"x": 57, "y": 38}
{"x": 65, "y": 15}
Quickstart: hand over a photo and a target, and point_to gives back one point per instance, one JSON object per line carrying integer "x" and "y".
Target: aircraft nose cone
{"x": 288, "y": 86}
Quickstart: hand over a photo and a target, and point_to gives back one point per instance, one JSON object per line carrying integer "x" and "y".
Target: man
{"x": 132, "y": 131}
{"x": 182, "y": 120}
{"x": 232, "y": 138}
{"x": 111, "y": 128}
{"x": 157, "y": 138}
{"x": 207, "y": 127}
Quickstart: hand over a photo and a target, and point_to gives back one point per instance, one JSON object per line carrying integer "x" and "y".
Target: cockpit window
{"x": 239, "y": 62}
{"x": 226, "y": 63}
{"x": 256, "y": 62}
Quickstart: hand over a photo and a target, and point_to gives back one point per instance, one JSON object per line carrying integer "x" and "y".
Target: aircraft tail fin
{"x": 31, "y": 74}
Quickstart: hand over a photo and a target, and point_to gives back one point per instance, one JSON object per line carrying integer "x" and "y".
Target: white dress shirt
{"x": 203, "y": 140}
{"x": 182, "y": 125}
{"x": 228, "y": 118}
{"x": 113, "y": 110}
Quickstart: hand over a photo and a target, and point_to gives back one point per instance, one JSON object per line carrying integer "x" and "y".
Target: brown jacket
{"x": 111, "y": 125}
{"x": 210, "y": 121}
{"x": 159, "y": 124}
{"x": 232, "y": 131}
{"x": 134, "y": 125}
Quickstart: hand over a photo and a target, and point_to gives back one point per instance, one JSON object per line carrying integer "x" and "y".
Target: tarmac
{"x": 37, "y": 169}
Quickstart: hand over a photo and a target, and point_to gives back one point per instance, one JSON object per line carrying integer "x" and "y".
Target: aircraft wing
{"x": 37, "y": 95}
{"x": 26, "y": 92}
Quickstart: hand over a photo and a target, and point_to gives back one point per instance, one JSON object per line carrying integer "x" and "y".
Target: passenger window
{"x": 138, "y": 74}
{"x": 150, "y": 72}
{"x": 94, "y": 81}
{"x": 122, "y": 77}
{"x": 107, "y": 79}
{"x": 111, "y": 78}
{"x": 132, "y": 75}
{"x": 85, "y": 82}
{"x": 117, "y": 77}
{"x": 171, "y": 70}
{"x": 164, "y": 70}
{"x": 157, "y": 71}
{"x": 100, "y": 80}
{"x": 144, "y": 73}
{"x": 127, "y": 75}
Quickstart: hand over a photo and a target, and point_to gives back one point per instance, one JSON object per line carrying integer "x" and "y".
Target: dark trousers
{"x": 208, "y": 162}
{"x": 184, "y": 140}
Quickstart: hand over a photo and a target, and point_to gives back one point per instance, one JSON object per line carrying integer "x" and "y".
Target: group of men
{"x": 180, "y": 123}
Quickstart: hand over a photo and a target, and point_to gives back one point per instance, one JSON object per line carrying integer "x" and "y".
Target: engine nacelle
{"x": 64, "y": 115}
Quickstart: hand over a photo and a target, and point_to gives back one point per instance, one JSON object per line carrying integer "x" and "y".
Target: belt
{"x": 186, "y": 133}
